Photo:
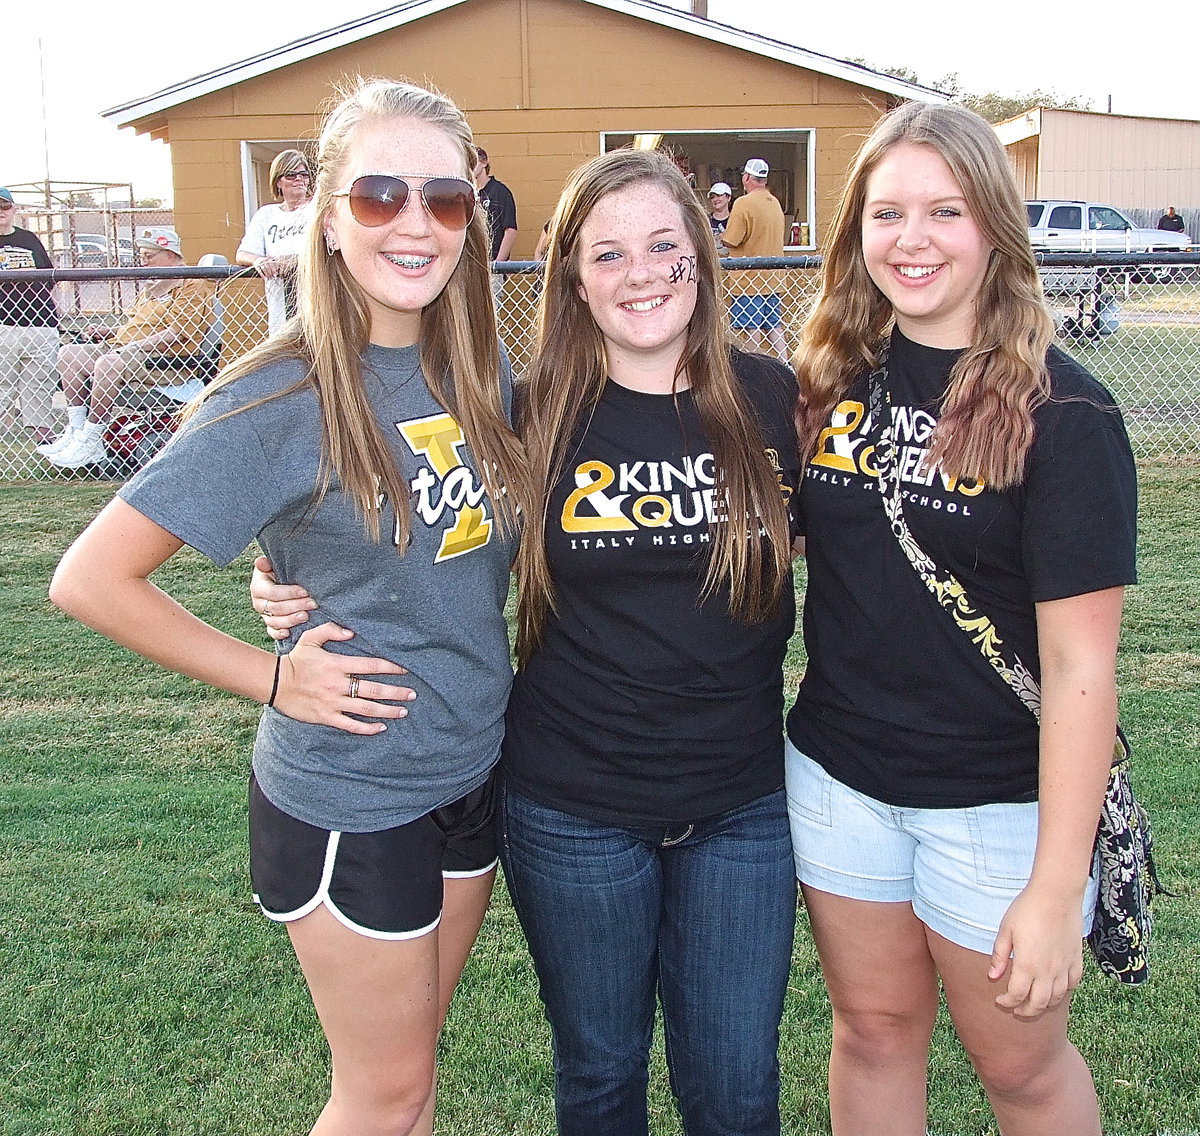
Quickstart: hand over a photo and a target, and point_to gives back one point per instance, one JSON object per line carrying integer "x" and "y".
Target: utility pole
{"x": 45, "y": 128}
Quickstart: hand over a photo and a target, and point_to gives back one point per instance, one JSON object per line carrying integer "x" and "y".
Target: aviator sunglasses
{"x": 376, "y": 199}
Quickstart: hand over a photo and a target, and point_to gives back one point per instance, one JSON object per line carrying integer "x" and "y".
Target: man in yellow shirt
{"x": 756, "y": 228}
{"x": 170, "y": 318}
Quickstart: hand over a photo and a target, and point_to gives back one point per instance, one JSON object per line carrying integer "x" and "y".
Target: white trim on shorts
{"x": 471, "y": 874}
{"x": 322, "y": 897}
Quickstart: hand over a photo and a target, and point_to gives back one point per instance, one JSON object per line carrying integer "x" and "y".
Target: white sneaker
{"x": 49, "y": 449}
{"x": 85, "y": 449}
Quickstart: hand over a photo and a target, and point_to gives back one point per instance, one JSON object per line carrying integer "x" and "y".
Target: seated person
{"x": 170, "y": 318}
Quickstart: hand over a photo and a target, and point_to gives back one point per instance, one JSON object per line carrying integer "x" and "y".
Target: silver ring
{"x": 266, "y": 607}
{"x": 353, "y": 691}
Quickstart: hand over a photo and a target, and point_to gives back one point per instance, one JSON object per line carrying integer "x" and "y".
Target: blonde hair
{"x": 568, "y": 378}
{"x": 459, "y": 353}
{"x": 986, "y": 424}
{"x": 286, "y": 162}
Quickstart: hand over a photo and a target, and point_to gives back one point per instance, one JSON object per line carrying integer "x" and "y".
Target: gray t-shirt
{"x": 437, "y": 610}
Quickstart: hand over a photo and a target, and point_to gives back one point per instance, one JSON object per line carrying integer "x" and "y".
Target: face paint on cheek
{"x": 684, "y": 271}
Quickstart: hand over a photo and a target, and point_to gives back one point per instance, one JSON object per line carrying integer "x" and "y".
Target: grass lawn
{"x": 143, "y": 995}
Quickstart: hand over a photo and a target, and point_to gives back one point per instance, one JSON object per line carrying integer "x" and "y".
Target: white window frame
{"x": 752, "y": 134}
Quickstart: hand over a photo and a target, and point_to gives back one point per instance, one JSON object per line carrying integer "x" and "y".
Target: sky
{"x": 95, "y": 56}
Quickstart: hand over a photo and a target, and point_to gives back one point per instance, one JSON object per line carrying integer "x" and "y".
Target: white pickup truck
{"x": 1083, "y": 226}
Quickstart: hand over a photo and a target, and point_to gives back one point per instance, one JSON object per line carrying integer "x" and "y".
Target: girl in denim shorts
{"x": 942, "y": 836}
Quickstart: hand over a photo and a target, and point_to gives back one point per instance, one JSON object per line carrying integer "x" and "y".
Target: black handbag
{"x": 1122, "y": 921}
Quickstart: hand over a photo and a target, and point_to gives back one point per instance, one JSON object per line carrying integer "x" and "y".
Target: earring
{"x": 331, "y": 246}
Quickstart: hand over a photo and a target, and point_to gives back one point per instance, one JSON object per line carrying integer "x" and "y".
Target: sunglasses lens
{"x": 451, "y": 201}
{"x": 377, "y": 199}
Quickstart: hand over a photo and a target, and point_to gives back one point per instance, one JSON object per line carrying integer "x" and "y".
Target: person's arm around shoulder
{"x": 1042, "y": 929}
{"x": 103, "y": 581}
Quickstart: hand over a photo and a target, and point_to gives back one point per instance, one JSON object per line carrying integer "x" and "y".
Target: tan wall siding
{"x": 1131, "y": 162}
{"x": 540, "y": 80}
{"x": 1024, "y": 158}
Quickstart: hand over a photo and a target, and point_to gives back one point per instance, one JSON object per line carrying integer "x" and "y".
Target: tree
{"x": 992, "y": 105}
{"x": 148, "y": 203}
{"x": 947, "y": 84}
{"x": 996, "y": 107}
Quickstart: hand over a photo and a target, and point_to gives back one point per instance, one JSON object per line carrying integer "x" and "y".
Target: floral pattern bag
{"x": 1122, "y": 921}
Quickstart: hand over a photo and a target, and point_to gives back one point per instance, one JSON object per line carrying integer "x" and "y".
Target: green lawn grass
{"x": 143, "y": 995}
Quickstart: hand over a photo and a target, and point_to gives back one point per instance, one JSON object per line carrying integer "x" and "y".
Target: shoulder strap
{"x": 942, "y": 584}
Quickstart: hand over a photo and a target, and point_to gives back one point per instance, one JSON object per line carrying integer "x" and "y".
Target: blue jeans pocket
{"x": 1003, "y": 838}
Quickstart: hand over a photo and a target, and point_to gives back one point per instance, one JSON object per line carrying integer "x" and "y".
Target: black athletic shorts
{"x": 387, "y": 884}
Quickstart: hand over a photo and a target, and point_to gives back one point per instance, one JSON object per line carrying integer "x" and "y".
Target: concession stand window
{"x": 709, "y": 156}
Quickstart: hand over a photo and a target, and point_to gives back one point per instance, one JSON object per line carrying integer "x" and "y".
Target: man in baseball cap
{"x": 159, "y": 237}
{"x": 168, "y": 322}
{"x": 756, "y": 228}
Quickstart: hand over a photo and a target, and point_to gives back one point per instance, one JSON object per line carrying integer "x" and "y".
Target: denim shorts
{"x": 751, "y": 312}
{"x": 959, "y": 868}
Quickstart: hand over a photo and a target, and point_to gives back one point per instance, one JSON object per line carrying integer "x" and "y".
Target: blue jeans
{"x": 701, "y": 916}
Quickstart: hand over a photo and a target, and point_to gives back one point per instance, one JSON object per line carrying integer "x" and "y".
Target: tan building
{"x": 546, "y": 84}
{"x": 1141, "y": 165}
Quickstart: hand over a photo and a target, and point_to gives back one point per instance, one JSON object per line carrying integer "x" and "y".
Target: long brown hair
{"x": 458, "y": 348}
{"x": 568, "y": 378}
{"x": 986, "y": 425}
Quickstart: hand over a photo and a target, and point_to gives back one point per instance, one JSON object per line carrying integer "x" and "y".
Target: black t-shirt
{"x": 897, "y": 702}
{"x": 1171, "y": 224}
{"x": 25, "y": 303}
{"x": 645, "y": 705}
{"x": 501, "y": 210}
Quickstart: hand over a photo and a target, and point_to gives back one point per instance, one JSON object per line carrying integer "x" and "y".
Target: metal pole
{"x": 45, "y": 129}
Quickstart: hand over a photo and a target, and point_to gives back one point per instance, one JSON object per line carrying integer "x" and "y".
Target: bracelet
{"x": 275, "y": 684}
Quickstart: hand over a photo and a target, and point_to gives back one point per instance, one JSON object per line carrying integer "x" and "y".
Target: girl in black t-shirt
{"x": 644, "y": 832}
{"x": 940, "y": 832}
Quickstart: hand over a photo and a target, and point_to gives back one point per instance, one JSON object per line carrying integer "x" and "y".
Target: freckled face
{"x": 403, "y": 265}
{"x": 922, "y": 248}
{"x": 637, "y": 272}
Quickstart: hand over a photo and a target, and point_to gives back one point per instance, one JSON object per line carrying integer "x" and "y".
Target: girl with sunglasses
{"x": 943, "y": 835}
{"x": 367, "y": 449}
{"x": 645, "y": 835}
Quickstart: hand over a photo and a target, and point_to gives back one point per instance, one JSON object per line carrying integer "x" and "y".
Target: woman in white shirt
{"x": 276, "y": 233}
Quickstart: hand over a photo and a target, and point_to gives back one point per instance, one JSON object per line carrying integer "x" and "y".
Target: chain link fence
{"x": 136, "y": 344}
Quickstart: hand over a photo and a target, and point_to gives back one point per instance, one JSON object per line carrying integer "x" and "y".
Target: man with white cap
{"x": 170, "y": 318}
{"x": 756, "y": 228}
{"x": 28, "y": 328}
{"x": 719, "y": 199}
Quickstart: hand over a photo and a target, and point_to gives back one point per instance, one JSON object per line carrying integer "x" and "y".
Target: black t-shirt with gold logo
{"x": 897, "y": 702}
{"x": 644, "y": 704}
